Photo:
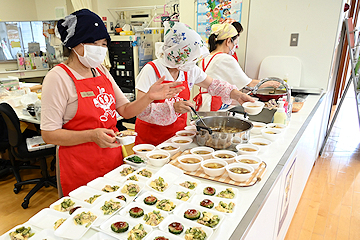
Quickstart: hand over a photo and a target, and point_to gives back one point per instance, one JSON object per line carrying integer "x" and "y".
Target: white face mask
{"x": 93, "y": 55}
{"x": 187, "y": 67}
{"x": 232, "y": 51}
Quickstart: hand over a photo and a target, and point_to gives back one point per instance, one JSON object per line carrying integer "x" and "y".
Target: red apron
{"x": 216, "y": 101}
{"x": 82, "y": 163}
{"x": 156, "y": 134}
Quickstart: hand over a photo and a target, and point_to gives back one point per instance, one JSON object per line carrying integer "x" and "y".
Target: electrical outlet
{"x": 294, "y": 38}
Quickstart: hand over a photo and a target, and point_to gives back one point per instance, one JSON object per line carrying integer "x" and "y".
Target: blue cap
{"x": 82, "y": 26}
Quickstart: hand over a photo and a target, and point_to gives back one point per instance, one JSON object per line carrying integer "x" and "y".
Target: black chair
{"x": 5, "y": 165}
{"x": 20, "y": 151}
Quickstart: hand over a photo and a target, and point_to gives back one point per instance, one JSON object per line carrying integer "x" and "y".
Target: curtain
{"x": 80, "y": 4}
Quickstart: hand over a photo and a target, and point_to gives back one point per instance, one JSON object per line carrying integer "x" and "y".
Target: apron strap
{"x": 155, "y": 68}
{"x": 67, "y": 70}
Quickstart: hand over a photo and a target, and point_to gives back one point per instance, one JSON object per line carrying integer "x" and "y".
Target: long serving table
{"x": 265, "y": 210}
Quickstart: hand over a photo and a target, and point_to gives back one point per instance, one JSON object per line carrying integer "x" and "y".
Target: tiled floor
{"x": 330, "y": 205}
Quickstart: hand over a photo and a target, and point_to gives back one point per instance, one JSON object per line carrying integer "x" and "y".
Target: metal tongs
{"x": 202, "y": 121}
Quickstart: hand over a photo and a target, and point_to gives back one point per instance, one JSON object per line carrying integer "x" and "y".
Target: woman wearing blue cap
{"x": 80, "y": 100}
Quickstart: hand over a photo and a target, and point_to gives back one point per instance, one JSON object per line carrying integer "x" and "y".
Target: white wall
{"x": 272, "y": 22}
{"x": 18, "y": 10}
{"x": 45, "y": 9}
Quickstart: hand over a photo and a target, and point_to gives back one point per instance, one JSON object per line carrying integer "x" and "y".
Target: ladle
{"x": 205, "y": 126}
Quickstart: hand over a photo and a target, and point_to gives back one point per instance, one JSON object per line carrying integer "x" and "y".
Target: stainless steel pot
{"x": 223, "y": 129}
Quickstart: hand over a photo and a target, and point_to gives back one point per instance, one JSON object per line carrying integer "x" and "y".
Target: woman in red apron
{"x": 80, "y": 102}
{"x": 222, "y": 65}
{"x": 177, "y": 58}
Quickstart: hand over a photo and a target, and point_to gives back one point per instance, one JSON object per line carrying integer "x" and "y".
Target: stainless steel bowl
{"x": 223, "y": 130}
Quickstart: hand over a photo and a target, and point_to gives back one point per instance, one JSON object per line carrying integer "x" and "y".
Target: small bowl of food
{"x": 271, "y": 133}
{"x": 276, "y": 125}
{"x": 143, "y": 149}
{"x": 214, "y": 167}
{"x": 253, "y": 108}
{"x": 226, "y": 155}
{"x": 262, "y": 143}
{"x": 182, "y": 142}
{"x": 250, "y": 160}
{"x": 247, "y": 149}
{"x": 204, "y": 152}
{"x": 239, "y": 172}
{"x": 135, "y": 160}
{"x": 172, "y": 148}
{"x": 191, "y": 128}
{"x": 186, "y": 133}
{"x": 190, "y": 162}
{"x": 257, "y": 127}
{"x": 158, "y": 158}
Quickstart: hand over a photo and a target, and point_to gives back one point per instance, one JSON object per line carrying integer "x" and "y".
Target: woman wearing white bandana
{"x": 221, "y": 64}
{"x": 177, "y": 58}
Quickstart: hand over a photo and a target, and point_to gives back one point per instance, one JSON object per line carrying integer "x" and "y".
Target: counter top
{"x": 251, "y": 199}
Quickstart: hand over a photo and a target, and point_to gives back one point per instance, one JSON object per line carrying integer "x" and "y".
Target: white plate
{"x": 125, "y": 140}
{"x": 34, "y": 229}
{"x": 100, "y": 182}
{"x": 171, "y": 193}
{"x": 106, "y": 226}
{"x": 46, "y": 218}
{"x": 169, "y": 173}
{"x": 140, "y": 199}
{"x": 182, "y": 209}
{"x": 101, "y": 236}
{"x": 76, "y": 201}
{"x": 115, "y": 174}
{"x": 218, "y": 189}
{"x": 197, "y": 199}
{"x": 125, "y": 212}
{"x": 142, "y": 178}
{"x": 186, "y": 224}
{"x": 130, "y": 198}
{"x": 45, "y": 234}
{"x": 96, "y": 208}
{"x": 71, "y": 230}
{"x": 187, "y": 178}
{"x": 157, "y": 233}
{"x": 84, "y": 192}
{"x": 137, "y": 165}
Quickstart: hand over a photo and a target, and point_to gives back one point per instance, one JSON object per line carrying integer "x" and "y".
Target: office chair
{"x": 20, "y": 151}
{"x": 5, "y": 166}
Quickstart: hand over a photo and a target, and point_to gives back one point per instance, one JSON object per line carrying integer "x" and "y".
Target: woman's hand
{"x": 104, "y": 138}
{"x": 241, "y": 97}
{"x": 183, "y": 106}
{"x": 273, "y": 84}
{"x": 159, "y": 90}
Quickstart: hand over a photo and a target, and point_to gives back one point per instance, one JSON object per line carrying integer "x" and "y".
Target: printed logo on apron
{"x": 104, "y": 101}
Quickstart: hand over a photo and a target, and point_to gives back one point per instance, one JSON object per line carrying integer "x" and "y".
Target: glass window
{"x": 15, "y": 37}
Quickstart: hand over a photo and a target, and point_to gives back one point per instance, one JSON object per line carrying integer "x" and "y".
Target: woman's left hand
{"x": 241, "y": 97}
{"x": 159, "y": 90}
{"x": 183, "y": 106}
{"x": 274, "y": 84}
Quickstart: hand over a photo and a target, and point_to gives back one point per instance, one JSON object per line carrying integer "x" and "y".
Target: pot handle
{"x": 198, "y": 128}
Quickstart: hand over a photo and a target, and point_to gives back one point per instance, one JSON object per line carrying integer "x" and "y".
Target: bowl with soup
{"x": 182, "y": 142}
{"x": 250, "y": 160}
{"x": 262, "y": 143}
{"x": 172, "y": 148}
{"x": 214, "y": 167}
{"x": 158, "y": 158}
{"x": 143, "y": 149}
{"x": 239, "y": 172}
{"x": 190, "y": 162}
{"x": 247, "y": 149}
{"x": 204, "y": 152}
{"x": 271, "y": 133}
{"x": 253, "y": 108}
{"x": 191, "y": 128}
{"x": 276, "y": 125}
{"x": 186, "y": 133}
{"x": 257, "y": 127}
{"x": 226, "y": 155}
